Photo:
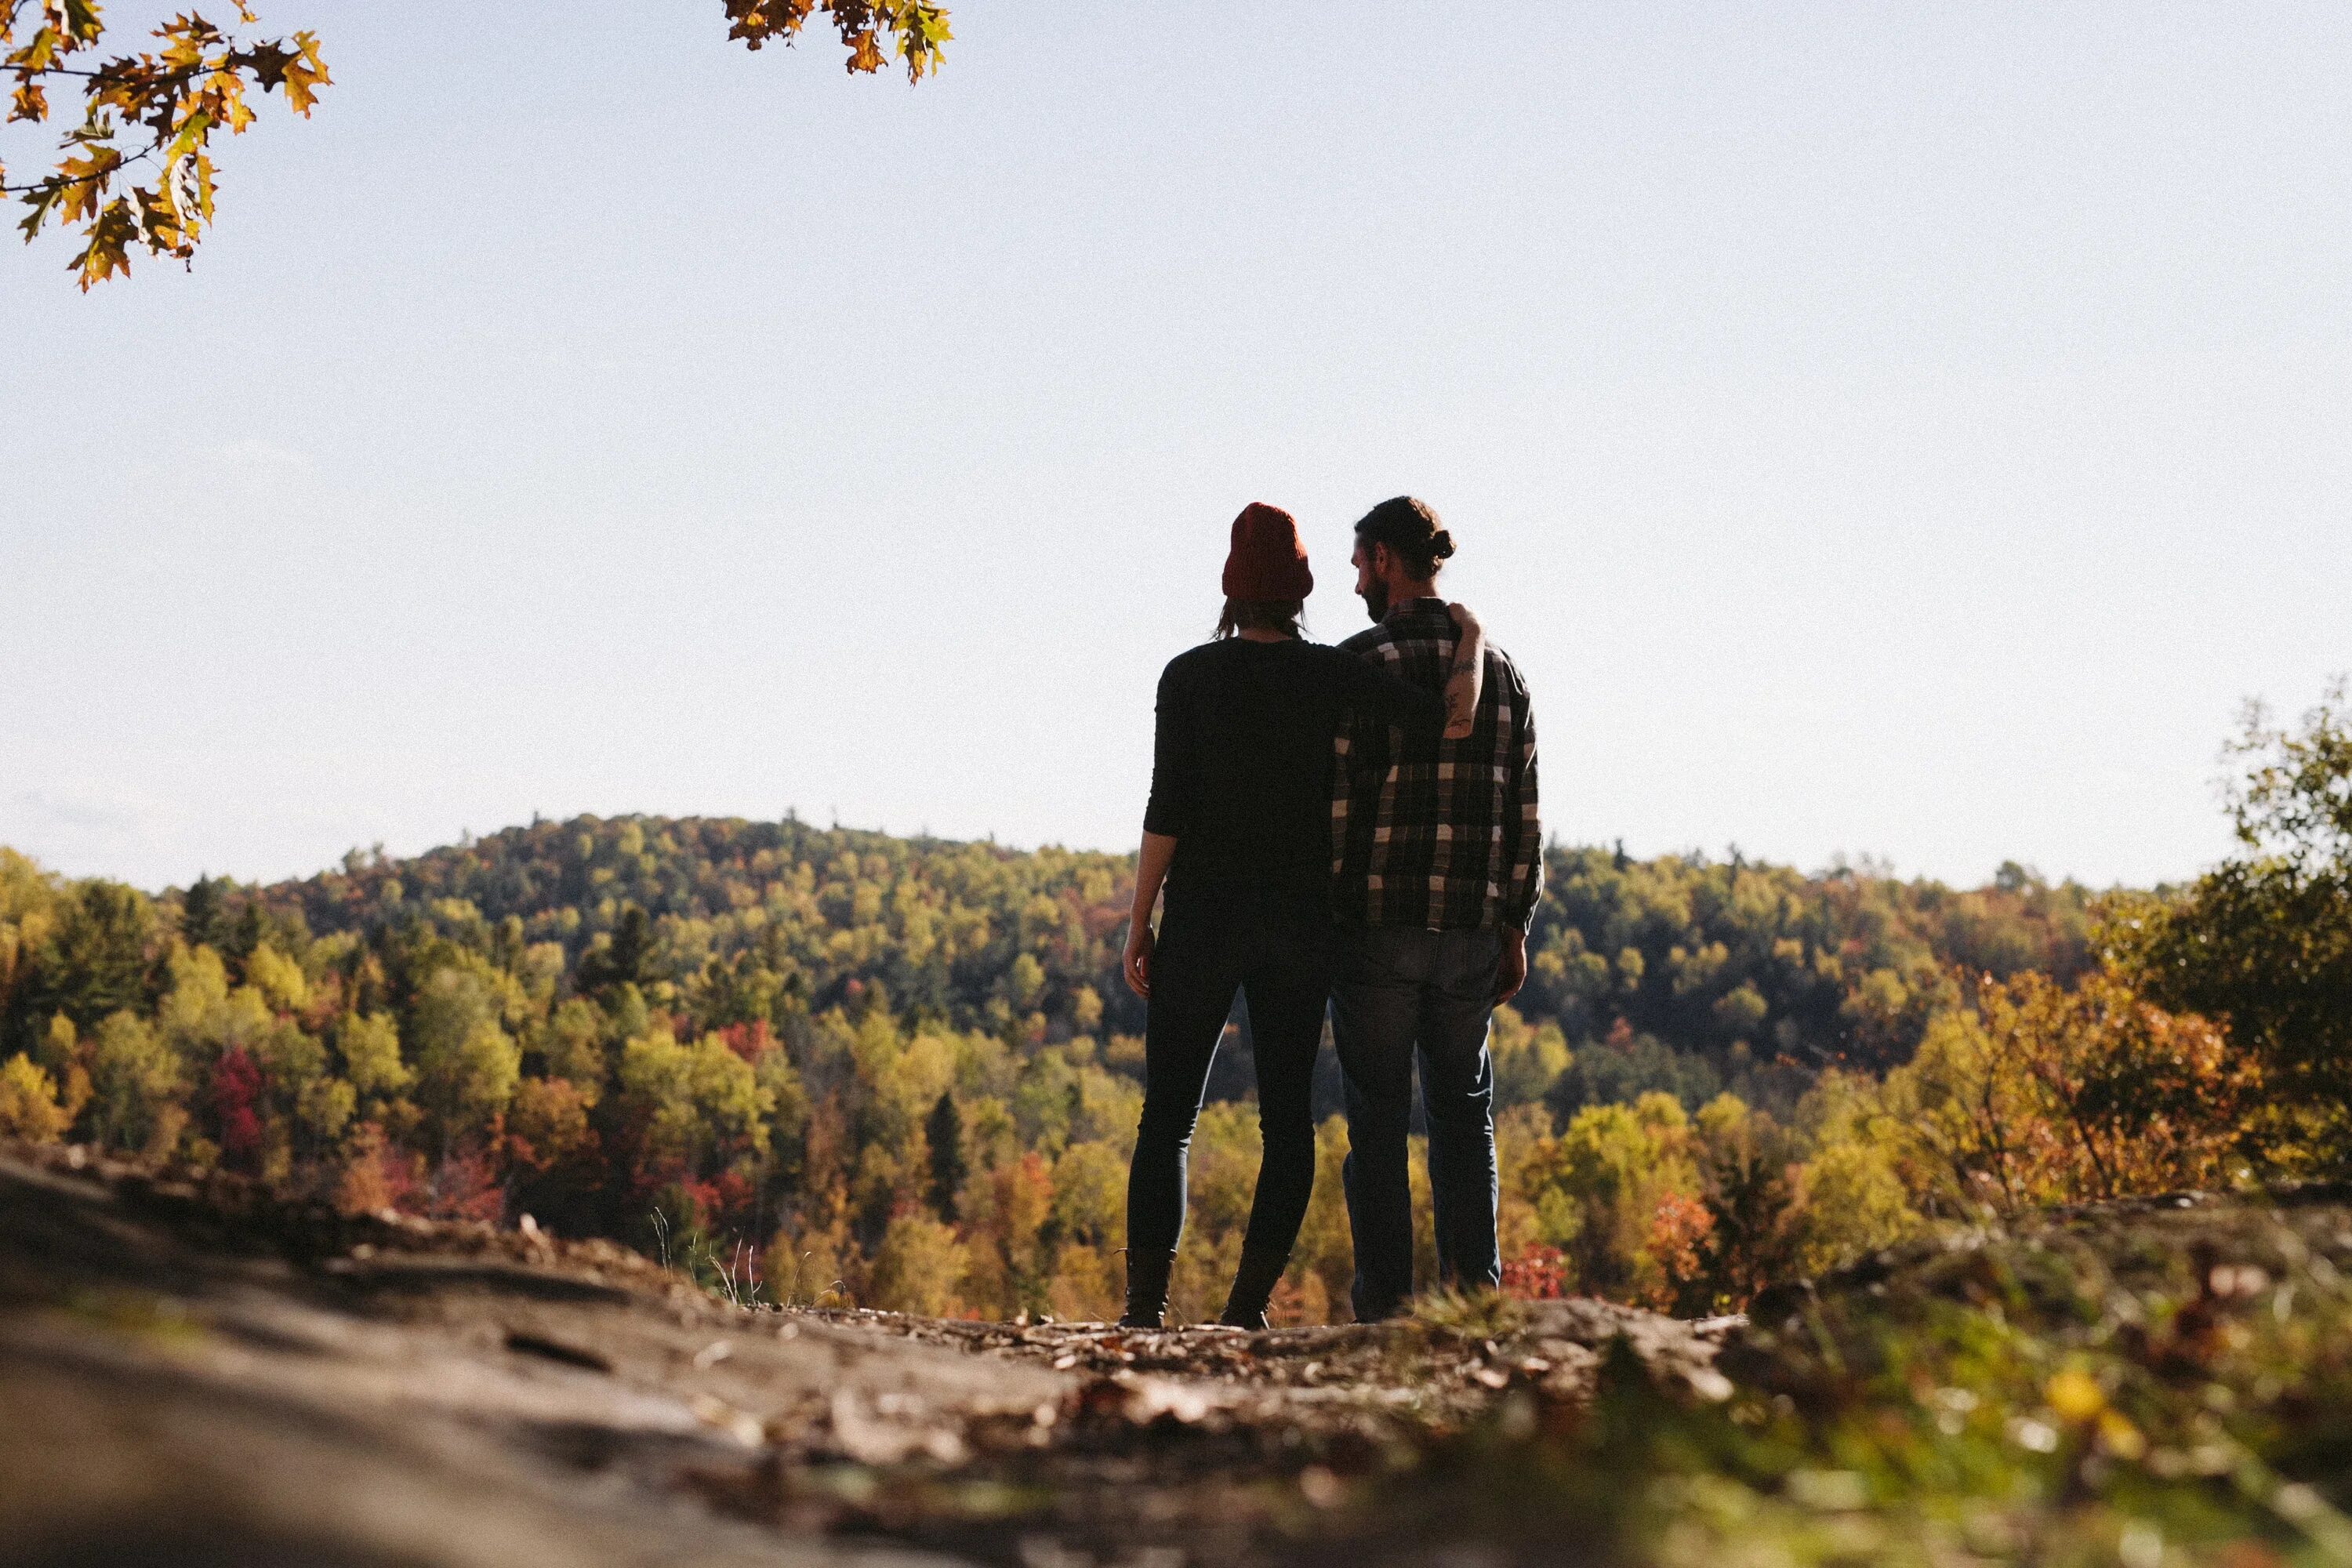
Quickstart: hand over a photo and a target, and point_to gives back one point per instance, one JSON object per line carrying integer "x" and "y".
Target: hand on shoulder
{"x": 1467, "y": 682}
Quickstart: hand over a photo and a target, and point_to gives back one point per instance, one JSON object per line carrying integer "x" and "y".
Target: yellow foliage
{"x": 199, "y": 986}
{"x": 134, "y": 1075}
{"x": 2044, "y": 1094}
{"x": 547, "y": 1127}
{"x": 324, "y": 1107}
{"x": 920, "y": 1073}
{"x": 700, "y": 1104}
{"x": 1527, "y": 1059}
{"x": 2073, "y": 1396}
{"x": 573, "y": 1045}
{"x": 279, "y": 978}
{"x": 917, "y": 1267}
{"x": 1083, "y": 1288}
{"x": 1616, "y": 1192}
{"x": 805, "y": 1270}
{"x": 1089, "y": 1203}
{"x": 1849, "y": 1202}
{"x": 28, "y": 1103}
{"x": 371, "y": 1046}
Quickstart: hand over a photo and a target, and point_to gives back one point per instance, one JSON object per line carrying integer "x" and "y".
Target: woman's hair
{"x": 1287, "y": 617}
{"x": 1412, "y": 531}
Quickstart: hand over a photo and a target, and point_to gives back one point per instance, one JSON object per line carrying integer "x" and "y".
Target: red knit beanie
{"x": 1267, "y": 562}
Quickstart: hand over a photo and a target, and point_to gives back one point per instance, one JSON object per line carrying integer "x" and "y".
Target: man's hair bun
{"x": 1408, "y": 526}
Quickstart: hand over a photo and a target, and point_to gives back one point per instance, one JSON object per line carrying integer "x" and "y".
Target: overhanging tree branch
{"x": 199, "y": 79}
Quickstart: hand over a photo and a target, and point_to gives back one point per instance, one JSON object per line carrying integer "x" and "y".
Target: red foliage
{"x": 725, "y": 1200}
{"x": 377, "y": 1176}
{"x": 1678, "y": 1234}
{"x": 236, "y": 1090}
{"x": 750, "y": 1041}
{"x": 696, "y": 1208}
{"x": 465, "y": 1185}
{"x": 1536, "y": 1275}
{"x": 722, "y": 1203}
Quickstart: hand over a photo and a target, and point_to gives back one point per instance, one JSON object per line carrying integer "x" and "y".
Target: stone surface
{"x": 193, "y": 1375}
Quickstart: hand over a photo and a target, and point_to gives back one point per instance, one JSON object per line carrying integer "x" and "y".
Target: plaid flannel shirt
{"x": 1437, "y": 834}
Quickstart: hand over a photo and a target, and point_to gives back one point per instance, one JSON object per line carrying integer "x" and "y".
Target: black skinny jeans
{"x": 1278, "y": 953}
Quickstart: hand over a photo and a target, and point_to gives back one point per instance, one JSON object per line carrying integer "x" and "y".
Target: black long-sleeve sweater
{"x": 1242, "y": 759}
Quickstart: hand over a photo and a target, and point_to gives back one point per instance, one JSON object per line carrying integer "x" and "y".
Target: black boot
{"x": 1254, "y": 1284}
{"x": 1147, "y": 1287}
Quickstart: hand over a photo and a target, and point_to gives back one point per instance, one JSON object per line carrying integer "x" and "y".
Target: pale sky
{"x": 1906, "y": 430}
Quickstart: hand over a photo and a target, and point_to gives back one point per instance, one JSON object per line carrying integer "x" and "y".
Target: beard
{"x": 1376, "y": 601}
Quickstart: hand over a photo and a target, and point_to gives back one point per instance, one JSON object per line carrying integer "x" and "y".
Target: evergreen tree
{"x": 943, "y": 1130}
{"x": 95, "y": 963}
{"x": 204, "y": 911}
{"x": 625, "y": 960}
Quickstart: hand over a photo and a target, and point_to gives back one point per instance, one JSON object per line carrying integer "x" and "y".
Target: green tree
{"x": 467, "y": 1066}
{"x": 94, "y": 959}
{"x": 2264, "y": 939}
{"x": 626, "y": 959}
{"x": 1614, "y": 1189}
{"x": 698, "y": 1105}
{"x": 572, "y": 1047}
{"x": 943, "y": 1132}
{"x": 1746, "y": 1163}
{"x": 1850, "y": 1197}
{"x": 135, "y": 1080}
{"x": 204, "y": 911}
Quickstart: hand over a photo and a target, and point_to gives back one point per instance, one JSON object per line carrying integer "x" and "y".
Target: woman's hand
{"x": 1151, "y": 863}
{"x": 1137, "y": 962}
{"x": 1466, "y": 680}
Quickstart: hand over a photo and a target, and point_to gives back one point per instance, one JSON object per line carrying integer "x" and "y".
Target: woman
{"x": 1239, "y": 831}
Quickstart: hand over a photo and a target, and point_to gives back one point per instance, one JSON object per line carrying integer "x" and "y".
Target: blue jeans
{"x": 1400, "y": 992}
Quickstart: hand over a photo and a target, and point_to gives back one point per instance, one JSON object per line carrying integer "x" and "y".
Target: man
{"x": 1438, "y": 862}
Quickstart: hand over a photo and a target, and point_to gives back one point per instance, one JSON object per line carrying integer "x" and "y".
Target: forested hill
{"x": 729, "y": 918}
{"x": 905, "y": 1072}
{"x": 1700, "y": 972}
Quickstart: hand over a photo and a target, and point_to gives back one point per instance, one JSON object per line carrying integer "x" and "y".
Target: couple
{"x": 1353, "y": 826}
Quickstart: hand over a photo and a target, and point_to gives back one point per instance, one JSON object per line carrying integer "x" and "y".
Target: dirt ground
{"x": 199, "y": 1378}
